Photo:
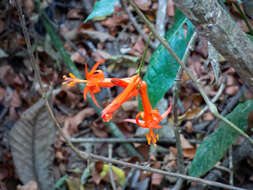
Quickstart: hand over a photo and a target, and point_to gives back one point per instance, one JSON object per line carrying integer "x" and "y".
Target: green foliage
{"x": 162, "y": 69}
{"x": 102, "y": 9}
{"x": 213, "y": 148}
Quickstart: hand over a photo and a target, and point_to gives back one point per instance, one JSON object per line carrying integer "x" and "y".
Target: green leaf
{"x": 101, "y": 9}
{"x": 212, "y": 149}
{"x": 162, "y": 69}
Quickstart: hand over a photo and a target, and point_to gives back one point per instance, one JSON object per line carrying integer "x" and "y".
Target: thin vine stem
{"x": 144, "y": 55}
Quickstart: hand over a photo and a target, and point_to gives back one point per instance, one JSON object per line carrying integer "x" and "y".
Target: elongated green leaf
{"x": 214, "y": 146}
{"x": 163, "y": 68}
{"x": 101, "y": 9}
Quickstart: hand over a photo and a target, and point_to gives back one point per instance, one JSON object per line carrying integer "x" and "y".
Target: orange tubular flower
{"x": 94, "y": 81}
{"x": 151, "y": 118}
{"x": 129, "y": 92}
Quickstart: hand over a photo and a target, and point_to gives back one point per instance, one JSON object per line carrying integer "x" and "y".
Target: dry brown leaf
{"x": 68, "y": 95}
{"x": 192, "y": 113}
{"x": 76, "y": 57}
{"x": 97, "y": 35}
{"x": 188, "y": 150}
{"x": 32, "y": 185}
{"x": 173, "y": 150}
{"x": 189, "y": 153}
{"x": 143, "y": 4}
{"x": 75, "y": 14}
{"x": 230, "y": 71}
{"x": 242, "y": 25}
{"x": 231, "y": 90}
{"x": 156, "y": 179}
{"x": 187, "y": 101}
{"x": 71, "y": 123}
{"x": 19, "y": 80}
{"x": 6, "y": 71}
{"x": 172, "y": 163}
{"x": 185, "y": 143}
{"x": 101, "y": 54}
{"x": 100, "y": 130}
{"x": 210, "y": 91}
{"x": 13, "y": 116}
{"x": 230, "y": 80}
{"x": 138, "y": 47}
{"x": 185, "y": 77}
{"x": 96, "y": 172}
{"x": 144, "y": 150}
{"x": 248, "y": 94}
{"x": 170, "y": 8}
{"x": 208, "y": 116}
{"x": 118, "y": 19}
{"x": 67, "y": 129}
{"x": 197, "y": 99}
{"x": 70, "y": 34}
{"x": 201, "y": 48}
{"x": 59, "y": 155}
{"x": 188, "y": 127}
{"x": 85, "y": 113}
{"x": 15, "y": 99}
{"x": 29, "y": 6}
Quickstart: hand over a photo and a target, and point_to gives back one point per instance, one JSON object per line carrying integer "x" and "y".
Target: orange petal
{"x": 86, "y": 72}
{"x": 85, "y": 92}
{"x": 94, "y": 99}
{"x": 140, "y": 122}
{"x": 165, "y": 114}
{"x": 121, "y": 98}
{"x": 95, "y": 66}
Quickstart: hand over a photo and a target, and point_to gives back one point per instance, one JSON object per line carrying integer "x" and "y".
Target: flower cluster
{"x": 95, "y": 80}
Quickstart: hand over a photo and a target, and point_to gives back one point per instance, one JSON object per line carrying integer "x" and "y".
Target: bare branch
{"x": 215, "y": 24}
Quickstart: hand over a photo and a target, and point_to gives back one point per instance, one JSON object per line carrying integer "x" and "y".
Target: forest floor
{"x": 116, "y": 40}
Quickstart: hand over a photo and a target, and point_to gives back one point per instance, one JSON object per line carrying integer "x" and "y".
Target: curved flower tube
{"x": 151, "y": 118}
{"x": 129, "y": 92}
